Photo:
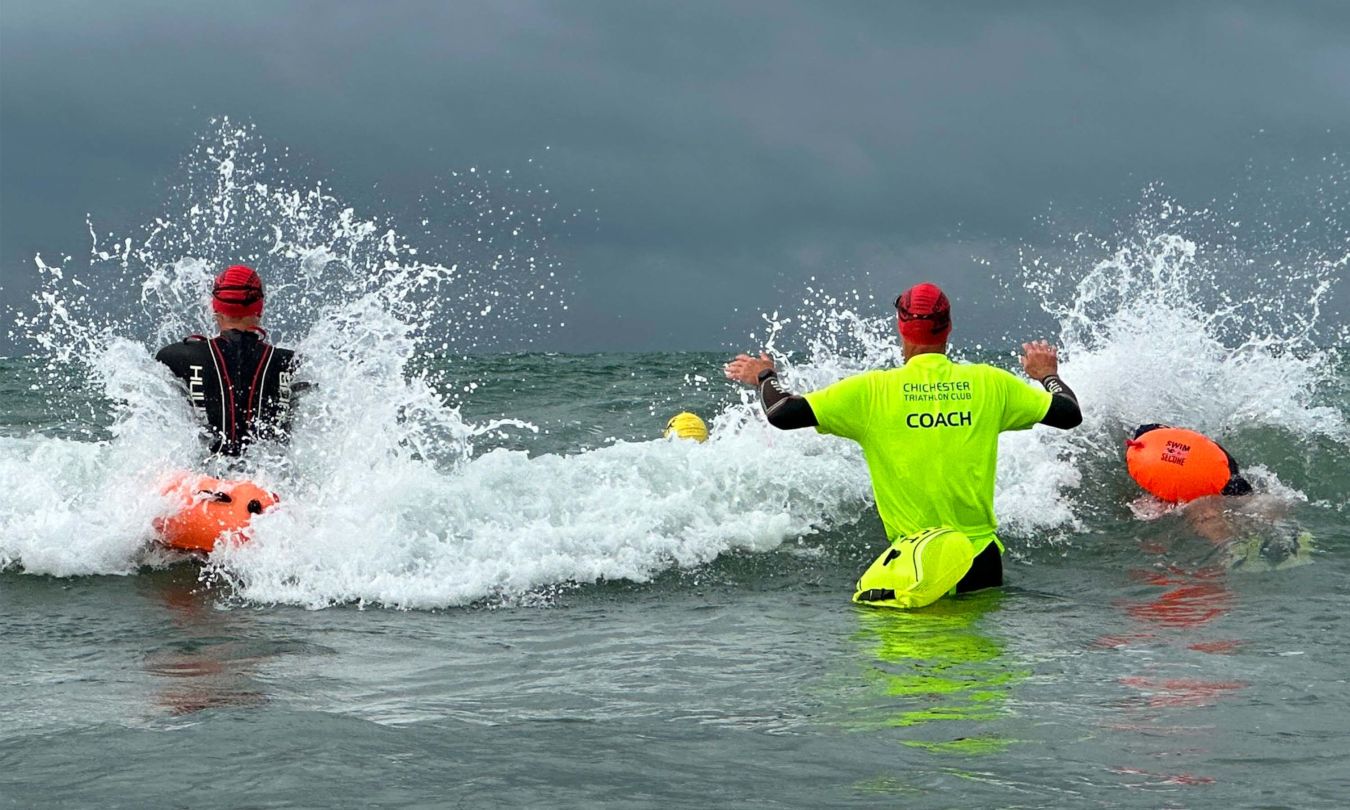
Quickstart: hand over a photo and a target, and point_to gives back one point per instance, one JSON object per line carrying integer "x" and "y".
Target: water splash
{"x": 385, "y": 497}
{"x": 389, "y": 497}
{"x": 1177, "y": 319}
{"x": 356, "y": 298}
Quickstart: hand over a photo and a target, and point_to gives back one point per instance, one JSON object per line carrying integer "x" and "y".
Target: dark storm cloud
{"x": 733, "y": 149}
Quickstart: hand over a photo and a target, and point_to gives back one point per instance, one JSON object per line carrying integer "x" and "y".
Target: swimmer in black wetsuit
{"x": 1252, "y": 531}
{"x": 238, "y": 383}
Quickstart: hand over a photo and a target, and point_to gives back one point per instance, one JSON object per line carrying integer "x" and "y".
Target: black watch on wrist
{"x": 766, "y": 374}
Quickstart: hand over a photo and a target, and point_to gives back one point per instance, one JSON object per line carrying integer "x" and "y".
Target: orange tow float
{"x": 211, "y": 510}
{"x": 1177, "y": 465}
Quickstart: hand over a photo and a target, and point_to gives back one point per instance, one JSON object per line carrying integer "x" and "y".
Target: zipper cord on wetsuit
{"x": 228, "y": 393}
{"x": 257, "y": 375}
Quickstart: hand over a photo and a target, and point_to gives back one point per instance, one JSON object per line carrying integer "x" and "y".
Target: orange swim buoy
{"x": 211, "y": 510}
{"x": 1177, "y": 465}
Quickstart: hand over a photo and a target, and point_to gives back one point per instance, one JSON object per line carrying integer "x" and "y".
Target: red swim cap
{"x": 925, "y": 314}
{"x": 237, "y": 293}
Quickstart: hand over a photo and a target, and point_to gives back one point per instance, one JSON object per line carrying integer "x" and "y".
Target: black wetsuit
{"x": 789, "y": 412}
{"x": 238, "y": 383}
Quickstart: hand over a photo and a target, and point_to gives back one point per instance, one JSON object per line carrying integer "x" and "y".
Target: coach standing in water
{"x": 929, "y": 429}
{"x": 238, "y": 383}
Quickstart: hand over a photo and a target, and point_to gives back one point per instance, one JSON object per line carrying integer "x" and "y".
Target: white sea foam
{"x": 506, "y": 523}
{"x": 85, "y": 507}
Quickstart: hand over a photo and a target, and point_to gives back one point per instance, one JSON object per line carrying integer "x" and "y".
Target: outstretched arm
{"x": 783, "y": 410}
{"x": 1041, "y": 363}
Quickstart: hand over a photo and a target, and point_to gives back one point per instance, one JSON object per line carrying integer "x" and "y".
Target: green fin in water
{"x": 1271, "y": 553}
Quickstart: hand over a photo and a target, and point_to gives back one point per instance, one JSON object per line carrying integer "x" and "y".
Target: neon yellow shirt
{"x": 929, "y": 431}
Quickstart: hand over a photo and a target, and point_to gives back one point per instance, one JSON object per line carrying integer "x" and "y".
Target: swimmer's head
{"x": 1142, "y": 429}
{"x": 237, "y": 297}
{"x": 924, "y": 318}
{"x": 687, "y": 426}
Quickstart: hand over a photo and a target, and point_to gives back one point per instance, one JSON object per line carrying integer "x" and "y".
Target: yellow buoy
{"x": 687, "y": 426}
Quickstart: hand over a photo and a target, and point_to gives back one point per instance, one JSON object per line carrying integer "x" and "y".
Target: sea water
{"x": 491, "y": 582}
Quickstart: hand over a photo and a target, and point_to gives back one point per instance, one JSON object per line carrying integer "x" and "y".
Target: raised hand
{"x": 1040, "y": 359}
{"x": 746, "y": 369}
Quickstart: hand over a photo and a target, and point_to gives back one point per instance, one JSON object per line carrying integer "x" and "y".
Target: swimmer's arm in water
{"x": 1041, "y": 363}
{"x": 1237, "y": 485}
{"x": 784, "y": 410}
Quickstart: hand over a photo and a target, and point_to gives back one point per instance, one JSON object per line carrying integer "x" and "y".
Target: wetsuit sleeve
{"x": 174, "y": 356}
{"x": 843, "y": 409}
{"x": 1237, "y": 485}
{"x": 1023, "y": 406}
{"x": 783, "y": 410}
{"x": 1064, "y": 412}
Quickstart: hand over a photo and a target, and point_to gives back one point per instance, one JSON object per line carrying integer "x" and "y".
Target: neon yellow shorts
{"x": 917, "y": 570}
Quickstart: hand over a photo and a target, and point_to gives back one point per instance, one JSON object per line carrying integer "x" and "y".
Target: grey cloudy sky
{"x": 731, "y": 149}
